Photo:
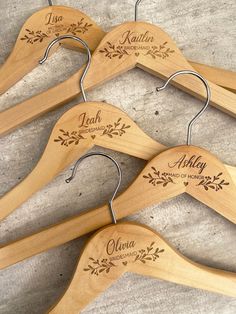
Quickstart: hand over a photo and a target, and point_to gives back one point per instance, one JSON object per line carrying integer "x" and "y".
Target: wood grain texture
{"x": 195, "y": 230}
{"x": 80, "y": 129}
{"x": 127, "y": 247}
{"x": 129, "y": 45}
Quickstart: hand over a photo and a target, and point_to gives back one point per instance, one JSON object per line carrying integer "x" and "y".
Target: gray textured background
{"x": 205, "y": 31}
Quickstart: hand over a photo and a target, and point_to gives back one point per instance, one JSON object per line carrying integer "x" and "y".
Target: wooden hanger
{"x": 38, "y": 31}
{"x": 77, "y": 131}
{"x": 49, "y": 23}
{"x": 132, "y": 247}
{"x": 203, "y": 176}
{"x": 130, "y": 45}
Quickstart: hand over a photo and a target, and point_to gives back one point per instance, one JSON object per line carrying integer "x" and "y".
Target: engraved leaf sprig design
{"x": 80, "y": 27}
{"x": 158, "y": 178}
{"x": 96, "y": 267}
{"x": 33, "y": 37}
{"x": 150, "y": 254}
{"x": 116, "y": 129}
{"x": 160, "y": 51}
{"x": 215, "y": 183}
{"x": 111, "y": 51}
{"x": 68, "y": 138}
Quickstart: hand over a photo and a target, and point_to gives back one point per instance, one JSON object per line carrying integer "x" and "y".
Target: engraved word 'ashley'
{"x": 86, "y": 121}
{"x": 52, "y": 19}
{"x": 131, "y": 37}
{"x": 193, "y": 162}
{"x": 114, "y": 246}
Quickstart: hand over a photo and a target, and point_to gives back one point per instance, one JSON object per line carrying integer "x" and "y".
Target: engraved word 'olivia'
{"x": 86, "y": 121}
{"x": 52, "y": 19}
{"x": 131, "y": 37}
{"x": 193, "y": 162}
{"x": 114, "y": 246}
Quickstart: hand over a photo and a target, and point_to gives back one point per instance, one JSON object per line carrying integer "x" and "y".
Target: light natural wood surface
{"x": 182, "y": 169}
{"x": 48, "y": 23}
{"x": 127, "y": 247}
{"x": 80, "y": 129}
{"x": 198, "y": 232}
{"x": 129, "y": 45}
{"x": 37, "y": 32}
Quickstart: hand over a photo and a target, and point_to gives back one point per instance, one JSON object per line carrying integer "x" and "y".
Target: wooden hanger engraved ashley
{"x": 132, "y": 247}
{"x": 111, "y": 59}
{"x": 154, "y": 184}
{"x": 113, "y": 129}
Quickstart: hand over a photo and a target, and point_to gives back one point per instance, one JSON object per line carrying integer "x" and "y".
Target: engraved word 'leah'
{"x": 131, "y": 37}
{"x": 52, "y": 19}
{"x": 193, "y": 162}
{"x": 86, "y": 121}
{"x": 114, "y": 246}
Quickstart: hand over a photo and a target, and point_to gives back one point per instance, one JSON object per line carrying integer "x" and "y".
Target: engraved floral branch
{"x": 68, "y": 138}
{"x": 216, "y": 183}
{"x": 149, "y": 254}
{"x": 158, "y": 178}
{"x": 80, "y": 27}
{"x": 32, "y": 36}
{"x": 112, "y": 51}
{"x": 96, "y": 267}
{"x": 160, "y": 51}
{"x": 115, "y": 129}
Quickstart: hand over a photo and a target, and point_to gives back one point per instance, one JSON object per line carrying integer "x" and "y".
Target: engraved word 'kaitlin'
{"x": 114, "y": 246}
{"x": 52, "y": 19}
{"x": 193, "y": 162}
{"x": 86, "y": 121}
{"x": 131, "y": 37}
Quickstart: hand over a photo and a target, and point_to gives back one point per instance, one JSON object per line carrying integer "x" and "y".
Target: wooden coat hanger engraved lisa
{"x": 132, "y": 247}
{"x": 177, "y": 170}
{"x": 54, "y": 21}
{"x": 78, "y": 130}
{"x": 38, "y": 31}
{"x": 130, "y": 45}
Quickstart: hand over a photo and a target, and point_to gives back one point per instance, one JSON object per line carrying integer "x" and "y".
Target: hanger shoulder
{"x": 152, "y": 182}
{"x": 221, "y": 77}
{"x": 68, "y": 141}
{"x": 125, "y": 247}
{"x": 78, "y": 130}
{"x": 37, "y": 32}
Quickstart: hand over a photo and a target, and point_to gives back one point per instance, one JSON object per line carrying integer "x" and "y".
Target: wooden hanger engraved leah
{"x": 78, "y": 130}
{"x": 176, "y": 170}
{"x": 130, "y": 45}
{"x": 131, "y": 247}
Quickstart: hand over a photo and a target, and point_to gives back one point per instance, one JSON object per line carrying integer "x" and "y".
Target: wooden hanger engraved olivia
{"x": 132, "y": 247}
{"x": 177, "y": 170}
{"x": 78, "y": 130}
{"x": 130, "y": 45}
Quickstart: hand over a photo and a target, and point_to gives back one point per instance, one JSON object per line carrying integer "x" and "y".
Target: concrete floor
{"x": 205, "y": 31}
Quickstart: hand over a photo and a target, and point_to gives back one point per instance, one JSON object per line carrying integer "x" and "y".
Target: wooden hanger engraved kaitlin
{"x": 54, "y": 21}
{"x": 132, "y": 247}
{"x": 130, "y": 45}
{"x": 77, "y": 131}
{"x": 177, "y": 170}
{"x": 38, "y": 31}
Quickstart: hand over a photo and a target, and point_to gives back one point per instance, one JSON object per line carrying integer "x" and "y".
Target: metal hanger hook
{"x": 136, "y": 10}
{"x": 110, "y": 202}
{"x": 50, "y": 3}
{"x": 58, "y": 39}
{"x": 190, "y": 125}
